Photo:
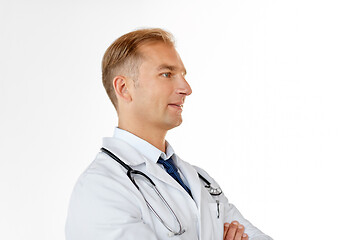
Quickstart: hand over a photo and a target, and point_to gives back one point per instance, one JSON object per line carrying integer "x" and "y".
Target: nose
{"x": 184, "y": 88}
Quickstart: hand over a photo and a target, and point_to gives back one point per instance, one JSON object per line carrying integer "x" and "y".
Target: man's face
{"x": 160, "y": 88}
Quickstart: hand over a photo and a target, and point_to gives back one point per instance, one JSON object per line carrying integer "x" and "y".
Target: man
{"x": 145, "y": 79}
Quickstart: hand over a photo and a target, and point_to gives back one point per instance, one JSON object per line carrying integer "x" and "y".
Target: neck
{"x": 155, "y": 137}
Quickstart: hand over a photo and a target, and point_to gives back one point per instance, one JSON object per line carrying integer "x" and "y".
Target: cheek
{"x": 155, "y": 96}
{"x": 152, "y": 96}
{"x": 148, "y": 102}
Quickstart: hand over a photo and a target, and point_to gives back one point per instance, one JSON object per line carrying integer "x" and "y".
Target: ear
{"x": 121, "y": 86}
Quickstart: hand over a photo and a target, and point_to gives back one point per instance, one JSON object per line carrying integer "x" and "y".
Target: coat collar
{"x": 124, "y": 151}
{"x": 132, "y": 157}
{"x": 143, "y": 147}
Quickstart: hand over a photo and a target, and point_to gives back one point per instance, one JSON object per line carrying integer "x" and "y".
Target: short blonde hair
{"x": 123, "y": 56}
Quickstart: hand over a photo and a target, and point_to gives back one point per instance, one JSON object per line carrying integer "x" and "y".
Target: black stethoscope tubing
{"x": 212, "y": 191}
{"x": 128, "y": 168}
{"x": 130, "y": 172}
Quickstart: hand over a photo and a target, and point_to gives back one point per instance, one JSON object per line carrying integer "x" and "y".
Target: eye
{"x": 167, "y": 74}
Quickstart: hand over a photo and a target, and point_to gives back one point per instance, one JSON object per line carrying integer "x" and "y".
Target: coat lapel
{"x": 192, "y": 178}
{"x": 157, "y": 172}
{"x": 133, "y": 158}
{"x": 195, "y": 185}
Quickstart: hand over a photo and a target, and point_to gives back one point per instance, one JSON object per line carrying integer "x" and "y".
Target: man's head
{"x": 124, "y": 58}
{"x": 145, "y": 79}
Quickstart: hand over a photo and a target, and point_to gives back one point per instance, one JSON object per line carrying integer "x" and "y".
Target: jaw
{"x": 172, "y": 120}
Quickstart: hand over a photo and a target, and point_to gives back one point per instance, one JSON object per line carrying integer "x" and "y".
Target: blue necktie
{"x": 173, "y": 171}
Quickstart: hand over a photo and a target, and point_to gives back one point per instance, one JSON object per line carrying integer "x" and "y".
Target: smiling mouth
{"x": 177, "y": 106}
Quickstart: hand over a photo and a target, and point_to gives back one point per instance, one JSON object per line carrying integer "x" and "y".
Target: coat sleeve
{"x": 102, "y": 209}
{"x": 232, "y": 213}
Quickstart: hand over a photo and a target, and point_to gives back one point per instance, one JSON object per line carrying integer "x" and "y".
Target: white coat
{"x": 105, "y": 205}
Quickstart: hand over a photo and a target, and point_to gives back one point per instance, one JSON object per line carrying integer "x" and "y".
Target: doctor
{"x": 145, "y": 79}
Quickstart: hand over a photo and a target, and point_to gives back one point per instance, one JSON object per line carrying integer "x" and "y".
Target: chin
{"x": 174, "y": 124}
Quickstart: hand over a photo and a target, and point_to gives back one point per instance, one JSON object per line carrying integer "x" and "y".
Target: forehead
{"x": 158, "y": 54}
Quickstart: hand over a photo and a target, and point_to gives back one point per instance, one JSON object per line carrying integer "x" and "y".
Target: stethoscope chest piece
{"x": 214, "y": 191}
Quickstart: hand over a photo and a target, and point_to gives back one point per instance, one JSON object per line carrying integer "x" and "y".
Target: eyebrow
{"x": 169, "y": 67}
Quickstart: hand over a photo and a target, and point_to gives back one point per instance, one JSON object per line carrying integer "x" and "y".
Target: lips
{"x": 178, "y": 106}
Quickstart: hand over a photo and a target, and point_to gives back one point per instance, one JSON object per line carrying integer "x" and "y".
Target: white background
{"x": 274, "y": 115}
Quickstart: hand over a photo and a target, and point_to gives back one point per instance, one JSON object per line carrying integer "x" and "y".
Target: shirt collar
{"x": 149, "y": 151}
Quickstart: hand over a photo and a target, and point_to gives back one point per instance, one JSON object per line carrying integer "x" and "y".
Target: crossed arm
{"x": 98, "y": 201}
{"x": 234, "y": 231}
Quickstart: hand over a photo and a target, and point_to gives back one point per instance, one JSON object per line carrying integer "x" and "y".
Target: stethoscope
{"x": 130, "y": 172}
